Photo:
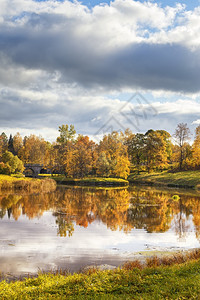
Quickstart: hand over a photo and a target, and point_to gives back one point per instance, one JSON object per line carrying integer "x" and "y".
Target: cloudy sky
{"x": 98, "y": 65}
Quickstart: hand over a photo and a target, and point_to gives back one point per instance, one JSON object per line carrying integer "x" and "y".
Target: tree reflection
{"x": 120, "y": 209}
{"x": 65, "y": 225}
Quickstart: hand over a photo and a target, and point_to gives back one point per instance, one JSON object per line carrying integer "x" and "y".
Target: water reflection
{"x": 76, "y": 218}
{"x": 119, "y": 209}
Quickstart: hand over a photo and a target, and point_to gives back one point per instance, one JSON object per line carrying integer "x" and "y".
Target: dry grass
{"x": 169, "y": 260}
{"x": 130, "y": 265}
{"x": 27, "y": 184}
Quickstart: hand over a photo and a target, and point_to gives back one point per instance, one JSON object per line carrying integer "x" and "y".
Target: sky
{"x": 101, "y": 66}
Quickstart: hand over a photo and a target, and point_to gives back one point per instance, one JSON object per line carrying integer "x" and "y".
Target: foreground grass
{"x": 88, "y": 180}
{"x": 30, "y": 184}
{"x": 188, "y": 179}
{"x": 169, "y": 282}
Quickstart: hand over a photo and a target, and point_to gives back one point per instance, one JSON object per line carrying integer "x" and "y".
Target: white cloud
{"x": 196, "y": 122}
{"x": 59, "y": 60}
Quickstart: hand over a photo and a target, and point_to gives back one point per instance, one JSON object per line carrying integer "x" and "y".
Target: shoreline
{"x": 172, "y": 277}
{"x": 96, "y": 181}
{"x": 140, "y": 258}
{"x": 184, "y": 179}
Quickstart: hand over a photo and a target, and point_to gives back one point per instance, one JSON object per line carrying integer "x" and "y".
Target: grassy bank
{"x": 179, "y": 281}
{"x": 90, "y": 181}
{"x": 24, "y": 183}
{"x": 186, "y": 179}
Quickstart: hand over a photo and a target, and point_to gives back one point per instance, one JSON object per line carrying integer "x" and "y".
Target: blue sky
{"x": 63, "y": 64}
{"x": 190, "y": 4}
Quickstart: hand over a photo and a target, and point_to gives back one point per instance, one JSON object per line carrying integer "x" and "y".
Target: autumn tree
{"x": 113, "y": 156}
{"x": 64, "y": 145}
{"x": 1, "y": 147}
{"x": 155, "y": 150}
{"x": 80, "y": 158}
{"x": 17, "y": 143}
{"x": 34, "y": 150}
{"x": 196, "y": 148}
{"x": 3, "y": 142}
{"x": 168, "y": 142}
{"x": 182, "y": 135}
{"x": 136, "y": 150}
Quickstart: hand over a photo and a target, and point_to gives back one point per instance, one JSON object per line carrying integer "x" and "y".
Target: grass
{"x": 102, "y": 181}
{"x": 24, "y": 183}
{"x": 174, "y": 280}
{"x": 188, "y": 179}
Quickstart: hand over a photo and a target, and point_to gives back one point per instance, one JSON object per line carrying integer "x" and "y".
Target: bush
{"x": 5, "y": 168}
{"x": 12, "y": 162}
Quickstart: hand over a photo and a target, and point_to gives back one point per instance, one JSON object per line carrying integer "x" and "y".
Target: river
{"x": 74, "y": 227}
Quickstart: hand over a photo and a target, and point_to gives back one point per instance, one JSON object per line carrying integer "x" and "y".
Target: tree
{"x": 155, "y": 150}
{"x": 113, "y": 155}
{"x": 12, "y": 163}
{"x": 136, "y": 150}
{"x": 167, "y": 138}
{"x": 17, "y": 143}
{"x": 10, "y": 144}
{"x": 1, "y": 147}
{"x": 103, "y": 165}
{"x": 196, "y": 148}
{"x": 66, "y": 134}
{"x": 122, "y": 167}
{"x": 34, "y": 150}
{"x": 4, "y": 141}
{"x": 80, "y": 157}
{"x": 182, "y": 135}
{"x": 64, "y": 143}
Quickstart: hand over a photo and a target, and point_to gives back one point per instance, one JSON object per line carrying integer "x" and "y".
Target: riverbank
{"x": 91, "y": 181}
{"x": 186, "y": 179}
{"x": 28, "y": 184}
{"x": 173, "y": 279}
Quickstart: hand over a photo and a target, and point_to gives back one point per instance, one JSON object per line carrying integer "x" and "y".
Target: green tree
{"x": 64, "y": 145}
{"x": 10, "y": 144}
{"x": 14, "y": 163}
{"x": 66, "y": 134}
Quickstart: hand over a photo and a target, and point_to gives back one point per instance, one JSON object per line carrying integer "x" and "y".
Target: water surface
{"x": 76, "y": 227}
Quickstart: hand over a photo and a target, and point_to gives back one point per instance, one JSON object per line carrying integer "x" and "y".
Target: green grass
{"x": 179, "y": 179}
{"x": 170, "y": 282}
{"x": 102, "y": 179}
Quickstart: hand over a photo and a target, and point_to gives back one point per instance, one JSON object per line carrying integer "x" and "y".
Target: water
{"x": 75, "y": 227}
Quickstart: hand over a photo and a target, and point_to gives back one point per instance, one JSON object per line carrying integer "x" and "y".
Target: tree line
{"x": 116, "y": 155}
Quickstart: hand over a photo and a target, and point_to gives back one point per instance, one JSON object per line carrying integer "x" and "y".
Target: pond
{"x": 74, "y": 227}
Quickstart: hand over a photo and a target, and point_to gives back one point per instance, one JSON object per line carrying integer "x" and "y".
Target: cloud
{"x": 196, "y": 122}
{"x": 60, "y": 61}
{"x": 105, "y": 46}
{"x": 91, "y": 114}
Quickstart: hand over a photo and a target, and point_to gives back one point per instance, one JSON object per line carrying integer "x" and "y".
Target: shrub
{"x": 5, "y": 169}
